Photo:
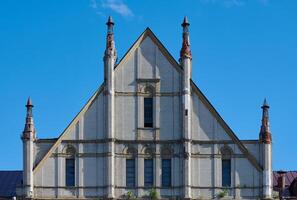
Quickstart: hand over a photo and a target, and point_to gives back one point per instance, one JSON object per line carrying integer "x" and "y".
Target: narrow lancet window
{"x": 226, "y": 172}
{"x": 148, "y": 172}
{"x": 130, "y": 172}
{"x": 166, "y": 172}
{"x": 70, "y": 172}
{"x": 148, "y": 112}
{"x": 226, "y": 167}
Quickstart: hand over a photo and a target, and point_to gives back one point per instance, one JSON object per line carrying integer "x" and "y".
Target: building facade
{"x": 147, "y": 126}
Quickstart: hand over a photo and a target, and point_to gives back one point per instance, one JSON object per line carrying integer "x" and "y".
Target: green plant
{"x": 222, "y": 193}
{"x": 275, "y": 195}
{"x": 153, "y": 194}
{"x": 130, "y": 196}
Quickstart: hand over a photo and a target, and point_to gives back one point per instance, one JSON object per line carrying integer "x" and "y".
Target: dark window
{"x": 148, "y": 112}
{"x": 130, "y": 172}
{"x": 148, "y": 172}
{"x": 70, "y": 172}
{"x": 226, "y": 172}
{"x": 166, "y": 172}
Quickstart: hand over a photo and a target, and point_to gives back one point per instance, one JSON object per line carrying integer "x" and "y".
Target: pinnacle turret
{"x": 265, "y": 135}
{"x": 29, "y": 130}
{"x": 110, "y": 44}
{"x": 185, "y": 51}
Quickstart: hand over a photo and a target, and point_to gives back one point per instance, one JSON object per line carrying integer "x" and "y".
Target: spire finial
{"x": 29, "y": 130}
{"x": 110, "y": 44}
{"x": 185, "y": 51}
{"x": 29, "y": 102}
{"x": 109, "y": 21}
{"x": 110, "y": 25}
{"x": 265, "y": 135}
{"x": 265, "y": 104}
{"x": 185, "y": 22}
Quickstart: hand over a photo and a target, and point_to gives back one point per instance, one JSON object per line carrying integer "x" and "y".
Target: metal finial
{"x": 29, "y": 102}
{"x": 109, "y": 21}
{"x": 185, "y": 22}
{"x": 265, "y": 104}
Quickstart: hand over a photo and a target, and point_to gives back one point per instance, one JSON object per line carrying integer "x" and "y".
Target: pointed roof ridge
{"x": 149, "y": 33}
{"x": 146, "y": 33}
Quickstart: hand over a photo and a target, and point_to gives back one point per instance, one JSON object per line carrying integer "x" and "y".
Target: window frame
{"x": 130, "y": 174}
{"x": 226, "y": 172}
{"x": 166, "y": 175}
{"x": 148, "y": 182}
{"x": 148, "y": 112}
{"x": 70, "y": 172}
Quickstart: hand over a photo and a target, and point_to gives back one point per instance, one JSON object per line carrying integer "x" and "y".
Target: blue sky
{"x": 243, "y": 51}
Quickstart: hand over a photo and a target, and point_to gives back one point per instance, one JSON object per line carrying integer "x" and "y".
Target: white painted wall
{"x": 146, "y": 62}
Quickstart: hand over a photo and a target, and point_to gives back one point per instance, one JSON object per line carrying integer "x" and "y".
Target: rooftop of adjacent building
{"x": 289, "y": 177}
{"x": 8, "y": 183}
{"x": 290, "y": 183}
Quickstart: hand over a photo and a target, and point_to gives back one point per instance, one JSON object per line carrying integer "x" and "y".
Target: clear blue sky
{"x": 243, "y": 51}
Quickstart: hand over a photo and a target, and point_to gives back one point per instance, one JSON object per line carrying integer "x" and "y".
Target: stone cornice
{"x": 194, "y": 142}
{"x": 118, "y": 93}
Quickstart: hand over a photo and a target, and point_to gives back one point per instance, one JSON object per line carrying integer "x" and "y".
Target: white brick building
{"x": 147, "y": 126}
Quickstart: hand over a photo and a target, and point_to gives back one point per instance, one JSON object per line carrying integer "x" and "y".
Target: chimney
{"x": 281, "y": 183}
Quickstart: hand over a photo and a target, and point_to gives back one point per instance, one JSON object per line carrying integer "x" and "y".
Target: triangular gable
{"x": 148, "y": 33}
{"x": 72, "y": 123}
{"x": 225, "y": 126}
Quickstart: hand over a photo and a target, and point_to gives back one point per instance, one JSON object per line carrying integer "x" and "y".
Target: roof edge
{"x": 226, "y": 127}
{"x": 149, "y": 33}
{"x": 72, "y": 123}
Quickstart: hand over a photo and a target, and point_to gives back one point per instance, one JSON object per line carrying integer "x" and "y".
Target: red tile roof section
{"x": 289, "y": 176}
